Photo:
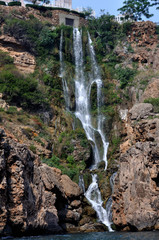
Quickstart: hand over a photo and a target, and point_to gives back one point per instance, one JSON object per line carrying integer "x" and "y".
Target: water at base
{"x": 99, "y": 236}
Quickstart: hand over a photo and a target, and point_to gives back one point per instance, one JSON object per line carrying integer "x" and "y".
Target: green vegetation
{"x": 70, "y": 168}
{"x": 22, "y": 91}
{"x": 125, "y": 75}
{"x": 16, "y": 3}
{"x": 5, "y": 59}
{"x": 33, "y": 148}
{"x": 36, "y": 36}
{"x": 154, "y": 102}
{"x": 106, "y": 33}
{"x": 2, "y": 3}
{"x": 136, "y": 8}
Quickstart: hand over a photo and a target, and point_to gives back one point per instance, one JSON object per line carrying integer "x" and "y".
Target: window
{"x": 69, "y": 22}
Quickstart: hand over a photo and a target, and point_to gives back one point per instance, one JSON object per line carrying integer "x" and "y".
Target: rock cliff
{"x": 33, "y": 196}
{"x": 23, "y": 60}
{"x": 136, "y": 188}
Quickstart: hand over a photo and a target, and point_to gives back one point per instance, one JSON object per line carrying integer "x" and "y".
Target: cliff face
{"x": 34, "y": 197}
{"x": 136, "y": 188}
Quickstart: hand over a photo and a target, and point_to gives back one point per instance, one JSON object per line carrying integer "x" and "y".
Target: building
{"x": 120, "y": 18}
{"x": 63, "y": 3}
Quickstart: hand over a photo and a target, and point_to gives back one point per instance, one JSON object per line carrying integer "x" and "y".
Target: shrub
{"x": 70, "y": 160}
{"x": 16, "y": 3}
{"x": 52, "y": 162}
{"x": 33, "y": 148}
{"x": 125, "y": 75}
{"x": 2, "y": 3}
{"x": 33, "y": 34}
{"x": 154, "y": 102}
{"x": 5, "y": 59}
{"x": 127, "y": 27}
{"x": 22, "y": 91}
{"x": 12, "y": 110}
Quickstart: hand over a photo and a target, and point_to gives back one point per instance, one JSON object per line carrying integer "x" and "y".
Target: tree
{"x": 136, "y": 8}
{"x": 88, "y": 12}
{"x": 156, "y": 2}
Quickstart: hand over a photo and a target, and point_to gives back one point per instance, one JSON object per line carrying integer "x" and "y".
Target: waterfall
{"x": 94, "y": 132}
{"x": 62, "y": 75}
{"x": 94, "y": 197}
{"x": 109, "y": 202}
{"x": 81, "y": 183}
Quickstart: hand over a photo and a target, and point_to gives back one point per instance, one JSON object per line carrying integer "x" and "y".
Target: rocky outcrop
{"x": 151, "y": 91}
{"x": 136, "y": 188}
{"x": 141, "y": 111}
{"x": 141, "y": 46}
{"x": 23, "y": 60}
{"x": 3, "y": 103}
{"x": 34, "y": 197}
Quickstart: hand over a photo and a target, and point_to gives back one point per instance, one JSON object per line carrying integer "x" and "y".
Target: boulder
{"x": 141, "y": 111}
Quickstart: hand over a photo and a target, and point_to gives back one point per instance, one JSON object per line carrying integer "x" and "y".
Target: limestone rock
{"x": 71, "y": 189}
{"x": 151, "y": 91}
{"x": 23, "y": 60}
{"x": 136, "y": 190}
{"x": 141, "y": 111}
{"x": 33, "y": 196}
{"x": 136, "y": 186}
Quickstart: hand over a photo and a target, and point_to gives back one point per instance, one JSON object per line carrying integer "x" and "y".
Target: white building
{"x": 63, "y": 3}
{"x": 120, "y": 18}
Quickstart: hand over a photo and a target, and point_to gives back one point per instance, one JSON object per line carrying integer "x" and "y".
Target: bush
{"x": 33, "y": 148}
{"x": 33, "y": 34}
{"x": 5, "y": 59}
{"x": 22, "y": 91}
{"x": 2, "y": 3}
{"x": 154, "y": 102}
{"x": 12, "y": 110}
{"x": 52, "y": 162}
{"x": 14, "y": 3}
{"x": 125, "y": 75}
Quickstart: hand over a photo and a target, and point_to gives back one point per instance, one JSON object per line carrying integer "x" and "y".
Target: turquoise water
{"x": 99, "y": 236}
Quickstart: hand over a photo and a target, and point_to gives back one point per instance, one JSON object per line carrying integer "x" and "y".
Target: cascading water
{"x": 62, "y": 71}
{"x": 81, "y": 183}
{"x": 95, "y": 134}
{"x": 109, "y": 202}
{"x": 94, "y": 197}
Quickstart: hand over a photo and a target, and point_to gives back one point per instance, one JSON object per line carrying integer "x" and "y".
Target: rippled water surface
{"x": 99, "y": 236}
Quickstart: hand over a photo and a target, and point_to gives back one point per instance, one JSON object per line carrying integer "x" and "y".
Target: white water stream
{"x": 95, "y": 134}
{"x": 62, "y": 75}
